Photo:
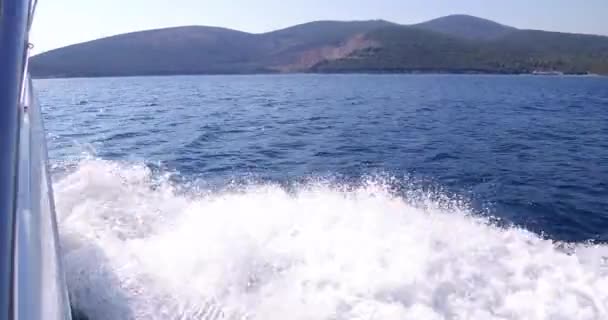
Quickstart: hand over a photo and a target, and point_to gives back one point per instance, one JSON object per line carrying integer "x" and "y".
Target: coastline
{"x": 362, "y": 72}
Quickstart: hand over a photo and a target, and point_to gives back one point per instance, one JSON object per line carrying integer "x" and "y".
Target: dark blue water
{"x": 532, "y": 151}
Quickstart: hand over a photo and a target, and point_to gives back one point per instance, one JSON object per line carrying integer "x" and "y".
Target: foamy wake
{"x": 137, "y": 249}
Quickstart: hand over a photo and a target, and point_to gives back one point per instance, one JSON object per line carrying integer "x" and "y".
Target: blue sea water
{"x": 278, "y": 174}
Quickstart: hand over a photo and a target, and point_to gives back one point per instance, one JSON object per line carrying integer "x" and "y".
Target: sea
{"x": 332, "y": 196}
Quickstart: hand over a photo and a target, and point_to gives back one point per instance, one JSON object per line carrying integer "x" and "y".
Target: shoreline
{"x": 590, "y": 75}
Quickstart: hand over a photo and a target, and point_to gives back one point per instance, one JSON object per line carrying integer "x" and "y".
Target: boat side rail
{"x": 13, "y": 34}
{"x": 32, "y": 284}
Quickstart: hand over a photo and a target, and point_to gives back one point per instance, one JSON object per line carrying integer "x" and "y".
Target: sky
{"x": 63, "y": 22}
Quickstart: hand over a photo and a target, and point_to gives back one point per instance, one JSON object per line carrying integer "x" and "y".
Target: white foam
{"x": 136, "y": 249}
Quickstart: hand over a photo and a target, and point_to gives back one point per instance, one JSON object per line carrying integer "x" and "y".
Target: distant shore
{"x": 333, "y": 73}
{"x": 456, "y": 44}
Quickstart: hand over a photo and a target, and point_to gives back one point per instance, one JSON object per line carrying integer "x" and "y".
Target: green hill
{"x": 465, "y": 26}
{"x": 407, "y": 49}
{"x": 456, "y": 44}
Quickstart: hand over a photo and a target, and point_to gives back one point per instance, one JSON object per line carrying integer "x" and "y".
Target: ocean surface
{"x": 332, "y": 196}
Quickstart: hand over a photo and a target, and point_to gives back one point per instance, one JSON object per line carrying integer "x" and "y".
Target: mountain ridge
{"x": 455, "y": 43}
{"x": 466, "y": 26}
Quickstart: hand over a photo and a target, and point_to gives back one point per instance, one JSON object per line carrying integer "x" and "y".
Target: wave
{"x": 139, "y": 247}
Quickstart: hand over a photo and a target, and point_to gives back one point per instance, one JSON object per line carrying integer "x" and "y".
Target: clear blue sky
{"x": 63, "y": 22}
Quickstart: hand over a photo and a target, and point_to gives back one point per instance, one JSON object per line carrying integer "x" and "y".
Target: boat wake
{"x": 136, "y": 247}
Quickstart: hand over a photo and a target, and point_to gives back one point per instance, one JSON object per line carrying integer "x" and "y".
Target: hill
{"x": 405, "y": 49}
{"x": 457, "y": 43}
{"x": 200, "y": 50}
{"x": 163, "y": 51}
{"x": 465, "y": 26}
